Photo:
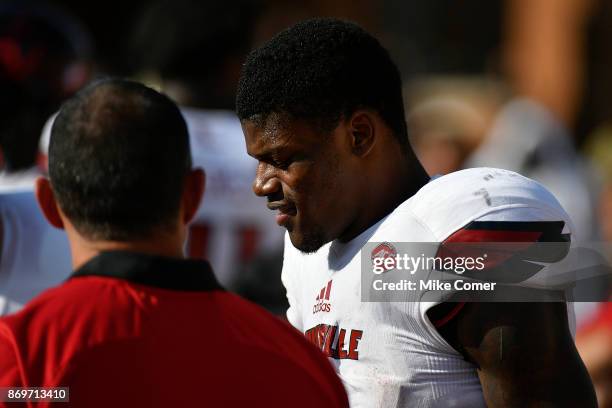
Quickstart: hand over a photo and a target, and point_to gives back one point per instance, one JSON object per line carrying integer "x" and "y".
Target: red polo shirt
{"x": 131, "y": 330}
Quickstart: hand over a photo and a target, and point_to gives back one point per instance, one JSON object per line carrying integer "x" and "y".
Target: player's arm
{"x": 524, "y": 352}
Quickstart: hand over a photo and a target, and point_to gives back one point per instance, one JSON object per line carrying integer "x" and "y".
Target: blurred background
{"x": 518, "y": 84}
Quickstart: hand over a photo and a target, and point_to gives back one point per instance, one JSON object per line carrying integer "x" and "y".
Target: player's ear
{"x": 47, "y": 203}
{"x": 362, "y": 132}
{"x": 193, "y": 192}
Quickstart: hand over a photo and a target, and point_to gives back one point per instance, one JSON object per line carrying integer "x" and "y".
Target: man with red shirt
{"x": 136, "y": 324}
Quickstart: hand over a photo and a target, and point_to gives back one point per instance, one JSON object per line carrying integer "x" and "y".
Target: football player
{"x": 322, "y": 111}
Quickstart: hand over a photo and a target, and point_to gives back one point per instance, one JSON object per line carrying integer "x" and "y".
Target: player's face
{"x": 307, "y": 177}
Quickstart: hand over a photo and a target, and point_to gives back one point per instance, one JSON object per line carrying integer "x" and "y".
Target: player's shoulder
{"x": 451, "y": 201}
{"x": 472, "y": 184}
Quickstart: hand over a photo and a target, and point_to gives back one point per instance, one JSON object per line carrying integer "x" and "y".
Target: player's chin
{"x": 306, "y": 241}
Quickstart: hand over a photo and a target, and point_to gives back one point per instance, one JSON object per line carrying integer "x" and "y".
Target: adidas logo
{"x": 321, "y": 304}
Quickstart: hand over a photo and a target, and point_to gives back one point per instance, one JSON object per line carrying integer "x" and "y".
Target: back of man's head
{"x": 118, "y": 158}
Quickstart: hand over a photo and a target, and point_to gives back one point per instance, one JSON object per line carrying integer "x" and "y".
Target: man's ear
{"x": 47, "y": 203}
{"x": 361, "y": 126}
{"x": 193, "y": 192}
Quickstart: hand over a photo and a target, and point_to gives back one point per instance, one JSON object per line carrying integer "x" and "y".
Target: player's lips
{"x": 285, "y": 211}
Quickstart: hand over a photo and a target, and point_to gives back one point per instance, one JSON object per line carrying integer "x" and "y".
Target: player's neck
{"x": 403, "y": 178}
{"x": 83, "y": 250}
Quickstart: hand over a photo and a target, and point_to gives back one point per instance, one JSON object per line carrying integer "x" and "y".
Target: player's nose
{"x": 265, "y": 182}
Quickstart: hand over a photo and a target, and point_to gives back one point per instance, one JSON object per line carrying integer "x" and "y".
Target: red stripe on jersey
{"x": 499, "y": 240}
{"x": 499, "y": 245}
{"x": 468, "y": 235}
{"x": 328, "y": 290}
{"x": 441, "y": 322}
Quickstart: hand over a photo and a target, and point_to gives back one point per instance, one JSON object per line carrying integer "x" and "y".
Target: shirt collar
{"x": 152, "y": 270}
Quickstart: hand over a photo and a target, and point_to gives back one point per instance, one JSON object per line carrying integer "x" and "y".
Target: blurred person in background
{"x": 137, "y": 324}
{"x": 509, "y": 96}
{"x": 544, "y": 61}
{"x": 194, "y": 50}
{"x": 599, "y": 151}
{"x": 448, "y": 116}
{"x": 594, "y": 339}
{"x": 529, "y": 127}
{"x": 477, "y": 122}
{"x": 43, "y": 59}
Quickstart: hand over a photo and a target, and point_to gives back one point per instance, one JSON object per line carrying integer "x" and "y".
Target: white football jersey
{"x": 389, "y": 354}
{"x": 19, "y": 180}
{"x": 34, "y": 256}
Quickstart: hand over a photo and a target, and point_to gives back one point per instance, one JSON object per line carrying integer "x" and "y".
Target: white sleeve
{"x": 289, "y": 276}
{"x": 522, "y": 214}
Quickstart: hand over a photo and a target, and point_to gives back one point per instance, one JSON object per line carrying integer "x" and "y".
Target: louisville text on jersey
{"x": 336, "y": 342}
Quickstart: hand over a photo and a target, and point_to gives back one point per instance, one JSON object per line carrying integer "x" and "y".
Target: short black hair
{"x": 322, "y": 70}
{"x": 118, "y": 157}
